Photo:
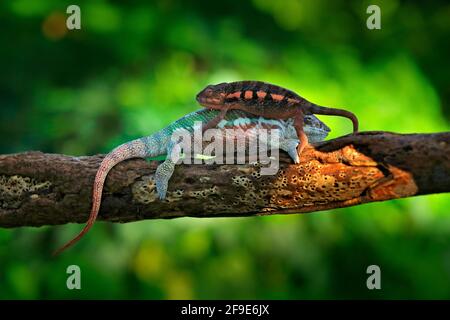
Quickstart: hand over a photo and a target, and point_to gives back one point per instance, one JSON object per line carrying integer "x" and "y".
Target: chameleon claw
{"x": 294, "y": 154}
{"x": 290, "y": 146}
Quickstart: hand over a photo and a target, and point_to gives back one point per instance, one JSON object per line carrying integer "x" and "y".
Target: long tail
{"x": 132, "y": 149}
{"x": 335, "y": 112}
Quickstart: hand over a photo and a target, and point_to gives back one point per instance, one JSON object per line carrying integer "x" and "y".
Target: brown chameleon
{"x": 265, "y": 100}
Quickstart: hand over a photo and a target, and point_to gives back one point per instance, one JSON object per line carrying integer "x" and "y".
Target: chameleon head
{"x": 213, "y": 96}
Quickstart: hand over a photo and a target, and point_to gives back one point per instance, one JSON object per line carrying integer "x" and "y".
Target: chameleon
{"x": 237, "y": 119}
{"x": 266, "y": 100}
{"x": 161, "y": 143}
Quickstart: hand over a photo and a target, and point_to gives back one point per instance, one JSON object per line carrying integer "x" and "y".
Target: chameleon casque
{"x": 161, "y": 143}
{"x": 266, "y": 100}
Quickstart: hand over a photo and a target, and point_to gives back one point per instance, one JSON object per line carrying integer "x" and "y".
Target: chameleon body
{"x": 266, "y": 100}
{"x": 161, "y": 143}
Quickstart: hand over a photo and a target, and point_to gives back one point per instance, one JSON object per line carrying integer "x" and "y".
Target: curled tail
{"x": 335, "y": 112}
{"x": 133, "y": 149}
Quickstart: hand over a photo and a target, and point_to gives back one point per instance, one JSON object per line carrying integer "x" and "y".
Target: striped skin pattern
{"x": 160, "y": 144}
{"x": 266, "y": 100}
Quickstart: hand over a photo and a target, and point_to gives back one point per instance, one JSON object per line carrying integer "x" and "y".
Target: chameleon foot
{"x": 162, "y": 176}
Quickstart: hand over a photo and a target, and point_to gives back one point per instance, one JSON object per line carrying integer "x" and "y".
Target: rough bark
{"x": 47, "y": 189}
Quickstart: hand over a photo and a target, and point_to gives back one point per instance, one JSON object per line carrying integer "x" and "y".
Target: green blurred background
{"x": 135, "y": 67}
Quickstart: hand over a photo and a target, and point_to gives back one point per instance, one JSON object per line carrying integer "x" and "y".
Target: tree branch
{"x": 47, "y": 189}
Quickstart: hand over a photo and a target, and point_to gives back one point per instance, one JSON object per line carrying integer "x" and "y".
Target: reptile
{"x": 161, "y": 143}
{"x": 266, "y": 100}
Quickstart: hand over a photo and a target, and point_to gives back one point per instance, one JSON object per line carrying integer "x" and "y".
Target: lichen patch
{"x": 176, "y": 195}
{"x": 205, "y": 193}
{"x": 144, "y": 191}
{"x": 15, "y": 186}
{"x": 13, "y": 189}
{"x": 204, "y": 179}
